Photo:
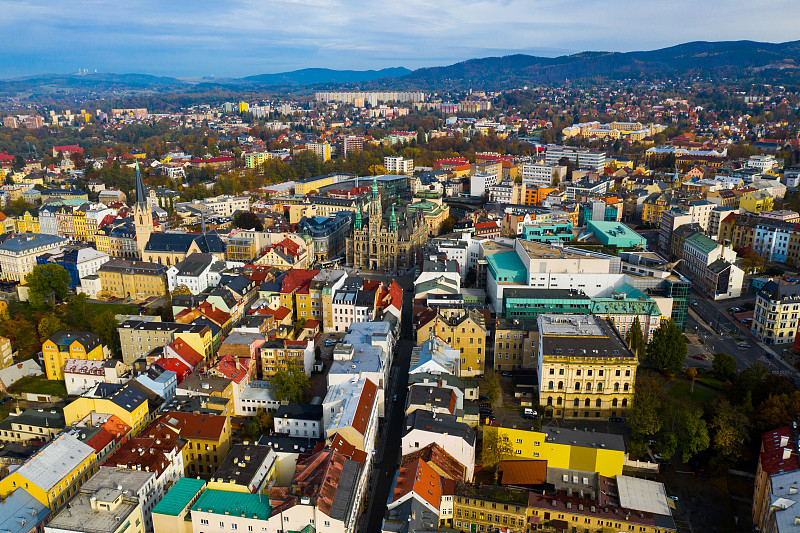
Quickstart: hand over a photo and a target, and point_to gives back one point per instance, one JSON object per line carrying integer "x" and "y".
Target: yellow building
{"x": 588, "y": 451}
{"x": 305, "y": 186}
{"x": 282, "y": 353}
{"x": 138, "y": 280}
{"x": 489, "y": 508}
{"x": 36, "y": 425}
{"x": 321, "y": 150}
{"x": 79, "y": 225}
{"x": 27, "y": 223}
{"x": 54, "y": 474}
{"x": 70, "y": 345}
{"x": 102, "y": 241}
{"x": 208, "y": 440}
{"x": 756, "y": 201}
{"x": 585, "y": 369}
{"x": 255, "y": 159}
{"x": 776, "y": 313}
{"x": 128, "y": 404}
{"x": 138, "y": 338}
{"x": 654, "y": 205}
{"x": 515, "y": 344}
{"x": 244, "y": 107}
{"x": 464, "y": 330}
{"x": 212, "y": 386}
{"x": 248, "y": 468}
{"x": 434, "y": 212}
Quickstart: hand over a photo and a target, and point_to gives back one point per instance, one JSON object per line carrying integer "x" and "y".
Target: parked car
{"x": 484, "y": 411}
{"x": 505, "y": 373}
{"x": 699, "y": 357}
{"x": 330, "y": 342}
{"x": 394, "y": 398}
{"x": 529, "y": 416}
{"x": 673, "y": 498}
{"x": 617, "y": 419}
{"x": 694, "y": 302}
{"x": 485, "y": 405}
{"x": 483, "y": 397}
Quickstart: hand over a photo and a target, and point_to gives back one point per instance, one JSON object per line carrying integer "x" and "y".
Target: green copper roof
{"x": 507, "y": 267}
{"x": 234, "y": 504}
{"x": 704, "y": 243}
{"x": 179, "y": 496}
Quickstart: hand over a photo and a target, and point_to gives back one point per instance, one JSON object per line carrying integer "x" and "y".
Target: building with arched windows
{"x": 386, "y": 242}
{"x": 585, "y": 368}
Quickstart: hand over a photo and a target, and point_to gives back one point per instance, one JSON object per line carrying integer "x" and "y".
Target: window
{"x": 234, "y": 526}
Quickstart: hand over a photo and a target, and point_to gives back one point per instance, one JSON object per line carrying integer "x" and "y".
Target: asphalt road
{"x": 391, "y": 430}
{"x": 711, "y": 321}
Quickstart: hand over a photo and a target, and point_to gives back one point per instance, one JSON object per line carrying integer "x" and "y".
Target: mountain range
{"x": 721, "y": 59}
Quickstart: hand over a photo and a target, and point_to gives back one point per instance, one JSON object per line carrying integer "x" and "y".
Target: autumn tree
{"x": 259, "y": 425}
{"x": 752, "y": 262}
{"x": 49, "y": 325}
{"x": 290, "y": 383}
{"x": 105, "y": 325}
{"x": 730, "y": 427}
{"x": 691, "y": 373}
{"x": 494, "y": 449}
{"x": 777, "y": 410}
{"x": 724, "y": 366}
{"x": 22, "y": 334}
{"x": 248, "y": 220}
{"x": 491, "y": 385}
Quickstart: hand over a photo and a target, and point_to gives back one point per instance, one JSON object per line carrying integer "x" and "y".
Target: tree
{"x": 105, "y": 325}
{"x": 290, "y": 383}
{"x": 752, "y": 262}
{"x": 494, "y": 449}
{"x": 49, "y": 325}
{"x": 635, "y": 338}
{"x": 730, "y": 427}
{"x": 667, "y": 349}
{"x": 22, "y": 334}
{"x": 692, "y": 435}
{"x": 182, "y": 290}
{"x": 491, "y": 385}
{"x": 691, "y": 373}
{"x": 47, "y": 284}
{"x": 643, "y": 416}
{"x": 377, "y": 170}
{"x": 777, "y": 410}
{"x": 248, "y": 220}
{"x": 447, "y": 225}
{"x": 260, "y": 424}
{"x": 77, "y": 312}
{"x": 724, "y": 366}
{"x": 555, "y": 179}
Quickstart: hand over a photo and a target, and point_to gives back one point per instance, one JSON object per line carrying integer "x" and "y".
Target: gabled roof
{"x": 419, "y": 479}
{"x": 438, "y": 458}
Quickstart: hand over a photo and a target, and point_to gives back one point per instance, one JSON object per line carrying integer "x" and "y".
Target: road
{"x": 710, "y": 320}
{"x": 391, "y": 431}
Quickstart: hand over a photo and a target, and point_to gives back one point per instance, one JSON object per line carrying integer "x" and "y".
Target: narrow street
{"x": 391, "y": 431}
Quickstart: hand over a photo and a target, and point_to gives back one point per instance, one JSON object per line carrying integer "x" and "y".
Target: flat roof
{"x": 586, "y": 439}
{"x": 242, "y": 504}
{"x": 642, "y": 495}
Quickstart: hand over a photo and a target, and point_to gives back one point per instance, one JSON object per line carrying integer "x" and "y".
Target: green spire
{"x": 374, "y": 187}
{"x": 393, "y": 221}
{"x": 358, "y": 222}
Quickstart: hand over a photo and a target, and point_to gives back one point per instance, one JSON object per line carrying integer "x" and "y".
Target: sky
{"x": 234, "y": 38}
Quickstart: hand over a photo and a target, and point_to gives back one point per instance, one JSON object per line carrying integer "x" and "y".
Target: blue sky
{"x": 232, "y": 38}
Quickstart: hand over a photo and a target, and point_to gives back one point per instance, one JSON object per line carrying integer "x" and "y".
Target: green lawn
{"x": 39, "y": 385}
{"x": 118, "y": 309}
{"x": 700, "y": 395}
{"x": 711, "y": 382}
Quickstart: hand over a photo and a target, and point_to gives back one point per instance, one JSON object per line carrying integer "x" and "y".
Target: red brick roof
{"x": 71, "y": 148}
{"x": 195, "y": 426}
{"x": 418, "y": 477}
{"x": 341, "y": 445}
{"x": 175, "y": 365}
{"x": 438, "y": 458}
{"x": 148, "y": 452}
{"x": 186, "y": 353}
{"x": 296, "y": 278}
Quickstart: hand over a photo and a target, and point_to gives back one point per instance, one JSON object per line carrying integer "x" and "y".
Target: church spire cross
{"x": 141, "y": 194}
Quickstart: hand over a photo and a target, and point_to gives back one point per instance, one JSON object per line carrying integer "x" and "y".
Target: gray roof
{"x": 195, "y": 264}
{"x": 345, "y": 490}
{"x": 433, "y": 395}
{"x": 20, "y": 512}
{"x": 584, "y": 438}
{"x": 301, "y": 411}
{"x": 281, "y": 443}
{"x": 28, "y": 241}
{"x": 241, "y": 464}
{"x": 35, "y": 418}
{"x": 441, "y": 423}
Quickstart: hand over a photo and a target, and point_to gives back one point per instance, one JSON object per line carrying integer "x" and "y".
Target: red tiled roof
{"x": 438, "y": 457}
{"x": 295, "y": 278}
{"x": 175, "y": 365}
{"x": 341, "y": 445}
{"x": 232, "y": 368}
{"x": 186, "y": 353}
{"x": 365, "y": 405}
{"x": 523, "y": 473}
{"x": 102, "y": 439}
{"x": 772, "y": 461}
{"x": 148, "y": 452}
{"x": 195, "y": 426}
{"x": 72, "y": 148}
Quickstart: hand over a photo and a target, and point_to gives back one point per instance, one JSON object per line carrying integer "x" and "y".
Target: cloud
{"x": 244, "y": 37}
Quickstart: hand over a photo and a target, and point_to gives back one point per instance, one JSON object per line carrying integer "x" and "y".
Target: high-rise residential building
{"x": 398, "y": 165}
{"x": 321, "y": 150}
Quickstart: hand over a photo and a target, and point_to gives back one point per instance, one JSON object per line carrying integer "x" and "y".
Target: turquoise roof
{"x": 507, "y": 267}
{"x": 241, "y": 504}
{"x": 179, "y": 496}
{"x": 703, "y": 242}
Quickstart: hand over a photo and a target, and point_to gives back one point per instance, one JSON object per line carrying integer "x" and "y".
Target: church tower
{"x": 142, "y": 215}
{"x": 375, "y": 212}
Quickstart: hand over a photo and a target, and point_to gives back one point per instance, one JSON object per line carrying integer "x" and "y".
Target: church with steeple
{"x": 142, "y": 215}
{"x": 384, "y": 242}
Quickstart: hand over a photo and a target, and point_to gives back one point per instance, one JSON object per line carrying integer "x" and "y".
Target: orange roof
{"x": 186, "y": 353}
{"x": 447, "y": 465}
{"x": 233, "y": 368}
{"x": 420, "y": 479}
{"x": 341, "y": 445}
{"x": 522, "y": 473}
{"x": 116, "y": 427}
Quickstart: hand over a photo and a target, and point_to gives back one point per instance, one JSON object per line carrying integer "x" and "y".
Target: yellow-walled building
{"x": 756, "y": 201}
{"x": 70, "y": 345}
{"x": 169, "y": 514}
{"x": 129, "y": 404}
{"x": 55, "y": 473}
{"x": 464, "y": 330}
{"x": 27, "y": 223}
{"x": 588, "y": 451}
{"x": 133, "y": 279}
{"x": 208, "y": 440}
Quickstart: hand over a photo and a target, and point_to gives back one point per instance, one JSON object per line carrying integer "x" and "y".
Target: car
{"x": 529, "y": 416}
{"x": 6, "y": 399}
{"x": 673, "y": 498}
{"x": 485, "y": 405}
{"x": 489, "y": 418}
{"x": 699, "y": 357}
{"x": 485, "y": 411}
{"x": 394, "y": 398}
{"x": 483, "y": 397}
{"x": 505, "y": 374}
{"x": 694, "y": 302}
{"x": 746, "y": 320}
{"x": 330, "y": 342}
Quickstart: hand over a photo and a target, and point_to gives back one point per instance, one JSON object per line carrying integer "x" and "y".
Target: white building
{"x": 580, "y": 157}
{"x": 135, "y": 483}
{"x": 350, "y": 305}
{"x": 299, "y": 420}
{"x": 254, "y": 396}
{"x": 541, "y": 174}
{"x": 711, "y": 267}
{"x": 480, "y": 182}
{"x": 762, "y": 162}
{"x": 398, "y": 165}
{"x": 464, "y": 250}
{"x": 197, "y": 272}
{"x": 80, "y": 375}
{"x": 423, "y": 428}
{"x": 19, "y": 252}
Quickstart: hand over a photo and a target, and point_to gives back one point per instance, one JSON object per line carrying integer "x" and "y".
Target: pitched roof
{"x": 438, "y": 458}
{"x": 420, "y": 479}
{"x": 523, "y": 473}
{"x": 195, "y": 426}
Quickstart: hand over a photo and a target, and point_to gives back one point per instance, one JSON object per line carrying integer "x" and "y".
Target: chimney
{"x": 784, "y": 440}
{"x": 787, "y": 452}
